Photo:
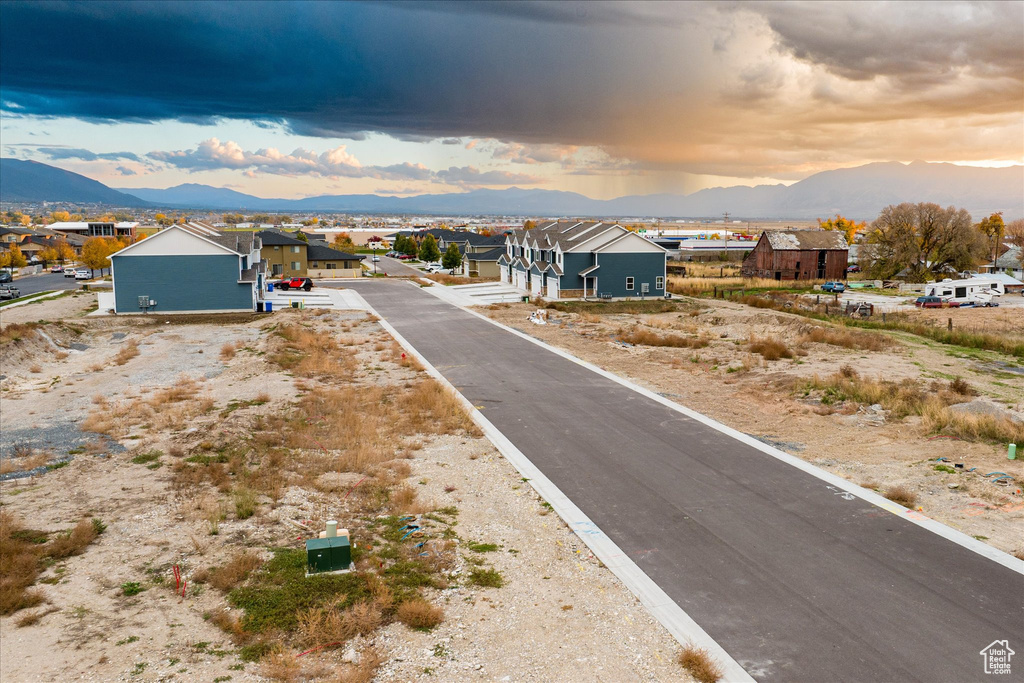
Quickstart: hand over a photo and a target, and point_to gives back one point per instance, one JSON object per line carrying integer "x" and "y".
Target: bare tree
{"x": 923, "y": 238}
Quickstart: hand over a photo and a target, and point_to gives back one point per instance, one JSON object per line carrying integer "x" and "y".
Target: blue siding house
{"x": 189, "y": 268}
{"x": 583, "y": 259}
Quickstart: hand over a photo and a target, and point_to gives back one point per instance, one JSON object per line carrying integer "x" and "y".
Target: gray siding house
{"x": 190, "y": 268}
{"x": 583, "y": 259}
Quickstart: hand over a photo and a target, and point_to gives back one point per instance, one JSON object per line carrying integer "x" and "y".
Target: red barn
{"x": 798, "y": 255}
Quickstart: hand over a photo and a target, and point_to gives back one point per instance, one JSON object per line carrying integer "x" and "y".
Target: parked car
{"x": 69, "y": 271}
{"x": 835, "y": 287}
{"x": 405, "y": 257}
{"x": 83, "y": 274}
{"x": 57, "y": 269}
{"x": 853, "y": 269}
{"x": 9, "y": 292}
{"x": 935, "y": 302}
{"x": 294, "y": 283}
{"x": 5, "y": 276}
{"x": 375, "y": 259}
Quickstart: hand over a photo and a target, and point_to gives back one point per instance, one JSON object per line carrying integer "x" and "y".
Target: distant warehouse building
{"x": 189, "y": 268}
{"x": 798, "y": 255}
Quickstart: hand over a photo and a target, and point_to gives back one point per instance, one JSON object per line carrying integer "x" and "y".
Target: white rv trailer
{"x": 975, "y": 289}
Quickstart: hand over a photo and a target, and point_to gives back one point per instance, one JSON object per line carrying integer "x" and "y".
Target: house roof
{"x": 241, "y": 243}
{"x": 276, "y": 238}
{"x": 999, "y": 277}
{"x": 317, "y": 252}
{"x": 561, "y": 234}
{"x": 7, "y": 230}
{"x": 489, "y": 255}
{"x": 797, "y": 240}
{"x": 588, "y": 271}
{"x": 1011, "y": 258}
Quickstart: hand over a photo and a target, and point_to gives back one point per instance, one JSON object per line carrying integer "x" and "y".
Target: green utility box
{"x": 328, "y": 555}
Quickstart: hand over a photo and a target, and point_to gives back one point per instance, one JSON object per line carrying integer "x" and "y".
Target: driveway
{"x": 797, "y": 580}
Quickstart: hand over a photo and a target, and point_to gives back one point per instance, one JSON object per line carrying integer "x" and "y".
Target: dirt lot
{"x": 880, "y": 411}
{"x": 219, "y": 448}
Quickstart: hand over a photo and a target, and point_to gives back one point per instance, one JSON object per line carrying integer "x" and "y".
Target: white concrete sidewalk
{"x": 318, "y": 297}
{"x": 479, "y": 294}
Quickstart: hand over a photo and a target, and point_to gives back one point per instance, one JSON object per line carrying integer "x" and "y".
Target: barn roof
{"x": 797, "y": 240}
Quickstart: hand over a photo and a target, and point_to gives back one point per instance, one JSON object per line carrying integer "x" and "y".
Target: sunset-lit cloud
{"x": 595, "y": 97}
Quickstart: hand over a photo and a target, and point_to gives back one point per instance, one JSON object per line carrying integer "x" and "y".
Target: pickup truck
{"x": 9, "y": 292}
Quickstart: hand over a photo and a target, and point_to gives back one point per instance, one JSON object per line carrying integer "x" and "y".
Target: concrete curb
{"x": 35, "y": 298}
{"x": 668, "y": 613}
{"x": 949, "y": 533}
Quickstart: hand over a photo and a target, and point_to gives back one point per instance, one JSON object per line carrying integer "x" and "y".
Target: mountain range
{"x": 859, "y": 192}
{"x": 31, "y": 181}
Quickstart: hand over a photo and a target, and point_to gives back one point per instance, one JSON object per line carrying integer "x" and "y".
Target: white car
{"x": 376, "y": 259}
{"x": 83, "y": 274}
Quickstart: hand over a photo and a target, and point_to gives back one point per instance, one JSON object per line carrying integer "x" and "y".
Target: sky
{"x": 295, "y": 99}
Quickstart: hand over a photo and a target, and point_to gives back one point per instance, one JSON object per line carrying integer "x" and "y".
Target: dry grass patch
{"x": 309, "y": 353}
{"x": 22, "y": 555}
{"x": 699, "y": 664}
{"x": 419, "y": 614}
{"x": 900, "y": 398}
{"x": 846, "y": 338}
{"x": 901, "y": 495}
{"x": 128, "y": 351}
{"x": 18, "y": 331}
{"x": 227, "y": 352}
{"x": 647, "y": 337}
{"x": 770, "y": 348}
{"x": 940, "y": 419}
{"x": 234, "y": 572}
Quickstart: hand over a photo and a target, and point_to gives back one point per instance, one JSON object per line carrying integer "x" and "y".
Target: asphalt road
{"x": 795, "y": 582}
{"x": 33, "y": 284}
{"x": 393, "y": 267}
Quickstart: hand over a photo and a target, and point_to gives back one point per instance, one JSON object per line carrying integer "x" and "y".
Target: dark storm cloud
{"x": 917, "y": 43}
{"x": 667, "y": 82}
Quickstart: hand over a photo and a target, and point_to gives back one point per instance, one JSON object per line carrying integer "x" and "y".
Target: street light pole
{"x": 375, "y": 259}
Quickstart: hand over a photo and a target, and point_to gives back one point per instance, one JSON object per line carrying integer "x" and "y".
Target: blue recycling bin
{"x": 270, "y": 307}
{"x": 270, "y": 286}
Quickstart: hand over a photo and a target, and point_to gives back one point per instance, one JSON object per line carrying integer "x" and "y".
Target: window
{"x": 629, "y": 283}
{"x": 313, "y": 265}
{"x": 296, "y": 265}
{"x": 277, "y": 248}
{"x": 331, "y": 266}
{"x": 659, "y": 282}
{"x": 295, "y": 249}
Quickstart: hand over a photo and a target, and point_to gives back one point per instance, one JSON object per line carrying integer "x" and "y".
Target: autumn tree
{"x": 5, "y": 259}
{"x": 529, "y": 225}
{"x": 343, "y": 242}
{"x": 301, "y": 236}
{"x": 17, "y": 257}
{"x": 845, "y": 225}
{"x": 428, "y": 249}
{"x": 65, "y": 252}
{"x": 1015, "y": 232}
{"x": 992, "y": 228}
{"x": 47, "y": 254}
{"x": 162, "y": 219}
{"x": 60, "y": 216}
{"x": 96, "y": 254}
{"x": 923, "y": 238}
{"x": 452, "y": 258}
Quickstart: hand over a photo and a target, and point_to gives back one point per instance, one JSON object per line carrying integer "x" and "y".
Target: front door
{"x": 590, "y": 286}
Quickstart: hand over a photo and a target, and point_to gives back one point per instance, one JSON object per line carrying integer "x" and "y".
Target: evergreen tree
{"x": 452, "y": 258}
{"x": 428, "y": 249}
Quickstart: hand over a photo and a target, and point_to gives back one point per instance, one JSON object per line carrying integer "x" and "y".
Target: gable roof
{"x": 797, "y": 240}
{"x": 241, "y": 243}
{"x": 489, "y": 255}
{"x": 317, "y": 252}
{"x": 1011, "y": 258}
{"x": 276, "y": 238}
